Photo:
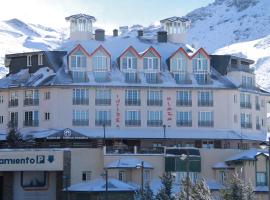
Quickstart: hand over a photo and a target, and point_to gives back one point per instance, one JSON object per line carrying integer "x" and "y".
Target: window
{"x": 80, "y": 118}
{"x": 246, "y": 120}
{"x": 205, "y": 98}
{"x": 261, "y": 179}
{"x": 31, "y": 118}
{"x": 179, "y": 63}
{"x": 247, "y": 81}
{"x": 121, "y": 175}
{"x": 257, "y": 103}
{"x": 154, "y": 118}
{"x": 258, "y": 125}
{"x": 222, "y": 176}
{"x": 13, "y": 116}
{"x": 1, "y": 119}
{"x": 86, "y": 175}
{"x": 235, "y": 98}
{"x": 154, "y": 98}
{"x": 152, "y": 77}
{"x": 100, "y": 62}
{"x": 129, "y": 62}
{"x": 147, "y": 175}
{"x": 205, "y": 119}
{"x": 132, "y": 97}
{"x": 150, "y": 63}
{"x": 183, "y": 118}
{"x": 208, "y": 144}
{"x": 34, "y": 180}
{"x": 47, "y": 95}
{"x": 40, "y": 59}
{"x": 1, "y": 99}
{"x": 179, "y": 176}
{"x": 78, "y": 60}
{"x": 79, "y": 77}
{"x": 31, "y": 98}
{"x": 80, "y": 96}
{"x": 133, "y": 118}
{"x": 29, "y": 60}
{"x": 47, "y": 116}
{"x": 103, "y": 117}
{"x": 200, "y": 68}
{"x": 245, "y": 101}
{"x": 183, "y": 98}
{"x": 103, "y": 97}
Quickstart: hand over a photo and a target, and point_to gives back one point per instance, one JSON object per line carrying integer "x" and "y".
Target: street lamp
{"x": 264, "y": 145}
{"x": 186, "y": 157}
{"x": 65, "y": 179}
{"x": 106, "y": 183}
{"x": 104, "y": 134}
{"x": 141, "y": 166}
{"x": 164, "y": 133}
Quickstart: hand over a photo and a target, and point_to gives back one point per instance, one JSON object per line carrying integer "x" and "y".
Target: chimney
{"x": 140, "y": 33}
{"x": 99, "y": 34}
{"x": 115, "y": 32}
{"x": 162, "y": 36}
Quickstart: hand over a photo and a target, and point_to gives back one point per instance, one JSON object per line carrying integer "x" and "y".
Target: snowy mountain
{"x": 17, "y": 36}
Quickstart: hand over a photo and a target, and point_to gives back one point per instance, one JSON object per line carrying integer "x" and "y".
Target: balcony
{"x": 246, "y": 125}
{"x": 154, "y": 102}
{"x": 13, "y": 103}
{"x": 180, "y": 102}
{"x": 79, "y": 101}
{"x": 33, "y": 123}
{"x": 31, "y": 102}
{"x": 205, "y": 103}
{"x": 103, "y": 122}
{"x": 133, "y": 122}
{"x": 102, "y": 77}
{"x": 132, "y": 102}
{"x": 205, "y": 123}
{"x": 132, "y": 78}
{"x": 80, "y": 122}
{"x": 182, "y": 78}
{"x": 154, "y": 123}
{"x": 184, "y": 123}
{"x": 103, "y": 102}
{"x": 203, "y": 78}
{"x": 153, "y": 78}
{"x": 245, "y": 105}
{"x": 258, "y": 107}
{"x": 243, "y": 68}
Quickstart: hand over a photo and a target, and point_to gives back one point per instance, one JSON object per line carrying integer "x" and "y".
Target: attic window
{"x": 40, "y": 59}
{"x": 29, "y": 60}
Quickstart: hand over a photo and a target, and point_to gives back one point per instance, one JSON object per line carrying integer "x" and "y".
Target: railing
{"x": 184, "y": 123}
{"x": 153, "y": 78}
{"x": 205, "y": 123}
{"x": 182, "y": 78}
{"x": 132, "y": 102}
{"x": 31, "y": 102}
{"x": 13, "y": 103}
{"x": 133, "y": 122}
{"x": 103, "y": 102}
{"x": 132, "y": 78}
{"x": 241, "y": 68}
{"x": 154, "y": 122}
{"x": 80, "y": 122}
{"x": 183, "y": 102}
{"x": 31, "y": 123}
{"x": 258, "y": 107}
{"x": 150, "y": 150}
{"x": 119, "y": 150}
{"x": 79, "y": 101}
{"x": 205, "y": 103}
{"x": 154, "y": 102}
{"x": 246, "y": 125}
{"x": 103, "y": 122}
{"x": 245, "y": 105}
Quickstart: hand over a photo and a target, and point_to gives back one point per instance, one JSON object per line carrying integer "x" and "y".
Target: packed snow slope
{"x": 17, "y": 36}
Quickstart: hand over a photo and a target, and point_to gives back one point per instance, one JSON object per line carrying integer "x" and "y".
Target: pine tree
{"x": 165, "y": 193}
{"x": 13, "y": 137}
{"x": 200, "y": 191}
{"x": 147, "y": 193}
{"x": 183, "y": 190}
{"x": 249, "y": 192}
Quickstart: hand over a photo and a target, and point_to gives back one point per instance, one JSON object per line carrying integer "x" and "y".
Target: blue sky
{"x": 109, "y": 13}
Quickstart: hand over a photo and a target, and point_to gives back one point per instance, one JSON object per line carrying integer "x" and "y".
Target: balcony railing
{"x": 80, "y": 122}
{"x": 241, "y": 68}
{"x": 183, "y": 102}
{"x": 153, "y": 78}
{"x": 154, "y": 102}
{"x": 258, "y": 107}
{"x": 31, "y": 102}
{"x": 205, "y": 123}
{"x": 133, "y": 122}
{"x": 132, "y": 102}
{"x": 103, "y": 102}
{"x": 13, "y": 103}
{"x": 182, "y": 78}
{"x": 79, "y": 101}
{"x": 205, "y": 103}
{"x": 31, "y": 123}
{"x": 246, "y": 125}
{"x": 184, "y": 123}
{"x": 245, "y": 105}
{"x": 103, "y": 122}
{"x": 132, "y": 78}
{"x": 154, "y": 122}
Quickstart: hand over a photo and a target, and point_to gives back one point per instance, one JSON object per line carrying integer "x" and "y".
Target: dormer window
{"x": 129, "y": 62}
{"x": 29, "y": 60}
{"x": 150, "y": 63}
{"x": 40, "y": 59}
{"x": 200, "y": 68}
{"x": 179, "y": 68}
{"x": 247, "y": 81}
{"x": 78, "y": 60}
{"x": 100, "y": 62}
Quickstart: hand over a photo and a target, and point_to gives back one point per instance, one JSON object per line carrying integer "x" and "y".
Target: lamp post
{"x": 164, "y": 133}
{"x": 186, "y": 157}
{"x": 141, "y": 166}
{"x": 264, "y": 145}
{"x": 104, "y": 134}
{"x": 65, "y": 179}
{"x": 106, "y": 182}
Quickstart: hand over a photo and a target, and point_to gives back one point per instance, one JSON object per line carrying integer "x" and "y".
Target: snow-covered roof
{"x": 221, "y": 165}
{"x": 99, "y": 185}
{"x": 247, "y": 155}
{"x": 157, "y": 133}
{"x": 77, "y": 16}
{"x": 173, "y": 19}
{"x": 128, "y": 163}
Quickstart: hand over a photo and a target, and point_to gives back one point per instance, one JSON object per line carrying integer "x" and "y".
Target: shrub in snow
{"x": 13, "y": 136}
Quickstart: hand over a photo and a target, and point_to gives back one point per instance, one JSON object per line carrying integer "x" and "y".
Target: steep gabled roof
{"x": 79, "y": 47}
{"x": 201, "y": 50}
{"x": 152, "y": 49}
{"x": 131, "y": 49}
{"x": 77, "y": 16}
{"x": 173, "y": 19}
{"x": 100, "y": 48}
